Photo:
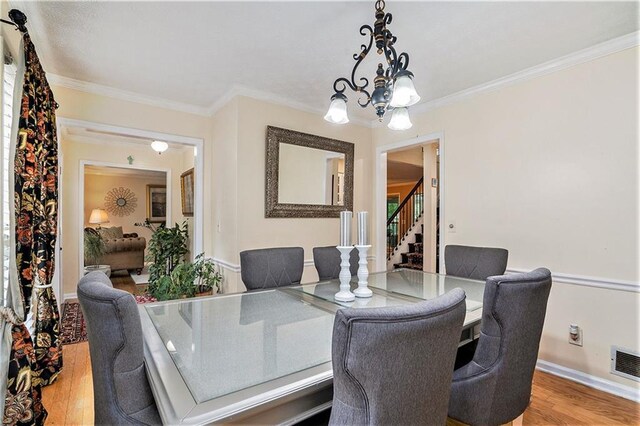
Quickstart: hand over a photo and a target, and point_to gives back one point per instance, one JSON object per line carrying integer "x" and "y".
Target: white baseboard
{"x": 68, "y": 296}
{"x": 627, "y": 392}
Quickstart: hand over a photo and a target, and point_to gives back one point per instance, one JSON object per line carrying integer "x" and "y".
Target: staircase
{"x": 412, "y": 259}
{"x": 405, "y": 230}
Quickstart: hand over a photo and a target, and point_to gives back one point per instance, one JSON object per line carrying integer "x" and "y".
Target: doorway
{"x": 91, "y": 146}
{"x": 120, "y": 206}
{"x": 409, "y": 203}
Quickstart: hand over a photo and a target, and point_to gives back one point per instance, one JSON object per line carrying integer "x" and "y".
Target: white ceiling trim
{"x": 585, "y": 55}
{"x": 591, "y": 53}
{"x": 125, "y": 95}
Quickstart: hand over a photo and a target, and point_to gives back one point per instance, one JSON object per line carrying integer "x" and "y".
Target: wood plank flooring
{"x": 555, "y": 401}
{"x": 123, "y": 281}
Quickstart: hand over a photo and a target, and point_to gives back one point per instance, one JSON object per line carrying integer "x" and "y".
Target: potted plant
{"x": 208, "y": 278}
{"x": 188, "y": 280}
{"x": 170, "y": 275}
{"x": 94, "y": 249}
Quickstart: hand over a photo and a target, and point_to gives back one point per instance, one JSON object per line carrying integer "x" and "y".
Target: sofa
{"x": 123, "y": 251}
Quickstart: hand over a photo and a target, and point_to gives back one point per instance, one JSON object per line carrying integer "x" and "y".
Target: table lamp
{"x": 98, "y": 217}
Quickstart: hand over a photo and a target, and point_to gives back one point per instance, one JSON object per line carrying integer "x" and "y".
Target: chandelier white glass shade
{"x": 159, "y": 146}
{"x": 400, "y": 119}
{"x": 337, "y": 113}
{"x": 393, "y": 85}
{"x": 404, "y": 93}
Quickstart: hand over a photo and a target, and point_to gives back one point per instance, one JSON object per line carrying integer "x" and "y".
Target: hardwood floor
{"x": 69, "y": 400}
{"x": 123, "y": 281}
{"x": 555, "y": 401}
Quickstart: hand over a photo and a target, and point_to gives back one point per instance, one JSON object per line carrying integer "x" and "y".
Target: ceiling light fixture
{"x": 159, "y": 146}
{"x": 393, "y": 86}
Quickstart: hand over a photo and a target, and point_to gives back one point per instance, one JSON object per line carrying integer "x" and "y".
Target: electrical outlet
{"x": 575, "y": 335}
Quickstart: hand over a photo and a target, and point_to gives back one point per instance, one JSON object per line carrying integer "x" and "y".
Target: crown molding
{"x": 575, "y": 58}
{"x": 585, "y": 55}
{"x": 125, "y": 95}
{"x": 261, "y": 95}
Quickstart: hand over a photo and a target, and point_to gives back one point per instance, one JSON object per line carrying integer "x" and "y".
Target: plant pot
{"x": 205, "y": 293}
{"x": 106, "y": 269}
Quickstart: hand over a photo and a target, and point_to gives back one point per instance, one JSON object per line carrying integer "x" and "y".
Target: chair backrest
{"x": 477, "y": 263}
{"x": 271, "y": 267}
{"x": 495, "y": 387}
{"x": 327, "y": 262}
{"x": 121, "y": 391}
{"x": 393, "y": 365}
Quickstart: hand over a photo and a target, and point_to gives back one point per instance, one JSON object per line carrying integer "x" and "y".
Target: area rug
{"x": 73, "y": 328}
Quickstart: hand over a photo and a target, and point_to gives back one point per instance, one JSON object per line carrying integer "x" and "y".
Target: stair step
{"x": 418, "y": 238}
{"x": 408, "y": 266}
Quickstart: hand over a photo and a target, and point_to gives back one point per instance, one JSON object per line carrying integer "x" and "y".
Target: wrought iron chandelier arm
{"x": 358, "y": 57}
{"x": 396, "y": 62}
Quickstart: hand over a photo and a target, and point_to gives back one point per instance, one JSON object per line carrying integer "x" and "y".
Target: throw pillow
{"x": 112, "y": 233}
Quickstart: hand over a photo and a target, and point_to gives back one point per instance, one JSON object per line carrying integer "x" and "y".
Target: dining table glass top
{"x": 229, "y": 343}
{"x": 399, "y": 287}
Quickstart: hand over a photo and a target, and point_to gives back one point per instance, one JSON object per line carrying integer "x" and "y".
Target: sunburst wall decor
{"x": 120, "y": 201}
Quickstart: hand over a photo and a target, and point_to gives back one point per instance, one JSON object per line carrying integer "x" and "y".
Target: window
{"x": 8, "y": 80}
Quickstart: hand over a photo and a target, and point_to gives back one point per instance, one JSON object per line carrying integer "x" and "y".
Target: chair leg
{"x": 518, "y": 420}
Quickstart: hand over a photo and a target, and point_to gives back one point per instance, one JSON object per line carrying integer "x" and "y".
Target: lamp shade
{"x": 404, "y": 92}
{"x": 337, "y": 113}
{"x": 400, "y": 119}
{"x": 98, "y": 216}
{"x": 159, "y": 146}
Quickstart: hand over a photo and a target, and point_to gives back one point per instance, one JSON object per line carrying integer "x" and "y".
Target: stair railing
{"x": 405, "y": 216}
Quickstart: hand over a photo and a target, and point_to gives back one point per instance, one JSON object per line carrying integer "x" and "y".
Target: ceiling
{"x": 195, "y": 52}
{"x": 113, "y": 139}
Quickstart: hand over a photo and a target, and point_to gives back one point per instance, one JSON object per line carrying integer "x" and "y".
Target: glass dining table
{"x": 265, "y": 356}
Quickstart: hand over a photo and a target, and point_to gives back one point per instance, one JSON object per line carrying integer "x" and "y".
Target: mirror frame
{"x": 276, "y": 136}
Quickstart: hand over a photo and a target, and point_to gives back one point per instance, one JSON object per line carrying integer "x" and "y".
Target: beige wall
{"x": 239, "y": 144}
{"x": 302, "y": 175}
{"x": 548, "y": 168}
{"x": 96, "y": 188}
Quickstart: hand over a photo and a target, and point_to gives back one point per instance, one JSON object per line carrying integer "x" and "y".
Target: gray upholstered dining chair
{"x": 477, "y": 263}
{"x": 495, "y": 387}
{"x": 327, "y": 262}
{"x": 271, "y": 267}
{"x": 121, "y": 391}
{"x": 393, "y": 365}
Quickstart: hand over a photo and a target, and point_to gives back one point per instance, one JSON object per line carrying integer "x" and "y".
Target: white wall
{"x": 548, "y": 168}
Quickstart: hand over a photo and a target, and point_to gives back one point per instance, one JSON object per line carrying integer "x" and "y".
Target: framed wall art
{"x": 156, "y": 203}
{"x": 186, "y": 191}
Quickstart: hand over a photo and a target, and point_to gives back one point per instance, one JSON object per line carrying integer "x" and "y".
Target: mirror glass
{"x": 310, "y": 176}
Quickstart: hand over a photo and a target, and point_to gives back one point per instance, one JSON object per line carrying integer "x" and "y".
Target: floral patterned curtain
{"x": 34, "y": 363}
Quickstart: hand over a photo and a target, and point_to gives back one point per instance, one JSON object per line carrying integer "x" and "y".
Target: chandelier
{"x": 393, "y": 88}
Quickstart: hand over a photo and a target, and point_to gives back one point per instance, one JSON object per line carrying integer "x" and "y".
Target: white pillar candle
{"x": 345, "y": 228}
{"x": 363, "y": 237}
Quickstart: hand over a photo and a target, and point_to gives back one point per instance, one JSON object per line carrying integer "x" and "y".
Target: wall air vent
{"x": 625, "y": 363}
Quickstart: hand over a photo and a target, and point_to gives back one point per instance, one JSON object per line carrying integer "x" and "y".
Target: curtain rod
{"x": 18, "y": 20}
